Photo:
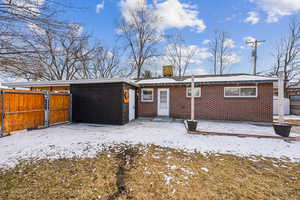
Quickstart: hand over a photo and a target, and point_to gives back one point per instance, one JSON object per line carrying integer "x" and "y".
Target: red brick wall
{"x": 212, "y": 104}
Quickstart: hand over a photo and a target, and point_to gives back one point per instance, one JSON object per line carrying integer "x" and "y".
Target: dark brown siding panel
{"x": 212, "y": 104}
{"x": 97, "y": 103}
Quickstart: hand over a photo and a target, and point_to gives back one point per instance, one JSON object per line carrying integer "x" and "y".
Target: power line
{"x": 254, "y": 44}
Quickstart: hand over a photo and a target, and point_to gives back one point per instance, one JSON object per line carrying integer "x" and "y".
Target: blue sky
{"x": 262, "y": 19}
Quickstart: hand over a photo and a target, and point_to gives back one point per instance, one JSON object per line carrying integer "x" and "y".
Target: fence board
{"x": 59, "y": 108}
{"x": 20, "y": 121}
{"x": 23, "y": 110}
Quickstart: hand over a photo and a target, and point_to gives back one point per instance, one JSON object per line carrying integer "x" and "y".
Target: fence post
{"x": 2, "y": 114}
{"x": 47, "y": 99}
{"x": 70, "y": 109}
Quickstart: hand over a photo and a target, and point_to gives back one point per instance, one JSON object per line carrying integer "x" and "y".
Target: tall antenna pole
{"x": 254, "y": 44}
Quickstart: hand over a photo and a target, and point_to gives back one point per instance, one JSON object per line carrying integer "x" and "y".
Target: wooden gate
{"x": 23, "y": 109}
{"x": 59, "y": 108}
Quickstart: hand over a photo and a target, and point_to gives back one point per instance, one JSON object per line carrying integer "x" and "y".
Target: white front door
{"x": 163, "y": 102}
{"x": 131, "y": 104}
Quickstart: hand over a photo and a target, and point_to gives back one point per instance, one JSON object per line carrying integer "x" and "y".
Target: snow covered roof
{"x": 203, "y": 79}
{"x": 67, "y": 83}
{"x": 209, "y": 79}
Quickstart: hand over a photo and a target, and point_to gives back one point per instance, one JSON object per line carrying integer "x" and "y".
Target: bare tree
{"x": 213, "y": 50}
{"x": 147, "y": 74}
{"x": 141, "y": 36}
{"x": 59, "y": 56}
{"x": 104, "y": 63}
{"x": 220, "y": 50}
{"x": 18, "y": 18}
{"x": 287, "y": 56}
{"x": 179, "y": 54}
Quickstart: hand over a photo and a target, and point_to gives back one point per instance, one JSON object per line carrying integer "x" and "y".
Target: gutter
{"x": 64, "y": 83}
{"x": 207, "y": 83}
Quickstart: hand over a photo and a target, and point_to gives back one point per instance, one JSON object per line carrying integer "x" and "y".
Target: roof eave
{"x": 207, "y": 83}
{"x": 57, "y": 84}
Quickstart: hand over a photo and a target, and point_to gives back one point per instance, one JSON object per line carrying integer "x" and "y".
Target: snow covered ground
{"x": 237, "y": 127}
{"x": 83, "y": 140}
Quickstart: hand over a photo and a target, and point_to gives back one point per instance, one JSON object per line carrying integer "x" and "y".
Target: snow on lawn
{"x": 82, "y": 140}
{"x": 235, "y": 127}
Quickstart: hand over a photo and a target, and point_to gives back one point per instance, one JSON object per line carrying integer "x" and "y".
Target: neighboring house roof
{"x": 67, "y": 83}
{"x": 208, "y": 79}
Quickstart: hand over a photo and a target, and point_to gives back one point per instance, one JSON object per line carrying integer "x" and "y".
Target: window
{"x": 197, "y": 92}
{"x": 240, "y": 91}
{"x": 147, "y": 95}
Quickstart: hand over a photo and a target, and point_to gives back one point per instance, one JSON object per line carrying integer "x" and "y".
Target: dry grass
{"x": 154, "y": 173}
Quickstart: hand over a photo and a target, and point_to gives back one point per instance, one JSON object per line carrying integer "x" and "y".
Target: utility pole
{"x": 254, "y": 45}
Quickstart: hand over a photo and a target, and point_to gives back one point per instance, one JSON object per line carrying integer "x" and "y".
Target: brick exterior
{"x": 212, "y": 105}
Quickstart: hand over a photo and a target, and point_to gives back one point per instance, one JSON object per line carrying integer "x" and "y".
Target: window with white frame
{"x": 197, "y": 92}
{"x": 250, "y": 91}
{"x": 147, "y": 95}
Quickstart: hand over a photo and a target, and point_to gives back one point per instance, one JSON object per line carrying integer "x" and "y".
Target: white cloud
{"x": 99, "y": 7}
{"x": 252, "y": 18}
{"x": 229, "y": 43}
{"x": 32, "y": 6}
{"x": 276, "y": 9}
{"x": 206, "y": 42}
{"x": 174, "y": 14}
{"x": 248, "y": 39}
{"x": 77, "y": 29}
{"x": 171, "y": 13}
{"x": 199, "y": 54}
{"x": 36, "y": 28}
{"x": 196, "y": 71}
{"x": 231, "y": 17}
{"x": 130, "y": 5}
{"x": 232, "y": 58}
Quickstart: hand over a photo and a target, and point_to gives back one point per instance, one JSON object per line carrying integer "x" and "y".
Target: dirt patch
{"x": 126, "y": 158}
{"x": 153, "y": 172}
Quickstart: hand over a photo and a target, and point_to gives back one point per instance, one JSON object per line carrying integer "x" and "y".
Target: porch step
{"x": 162, "y": 119}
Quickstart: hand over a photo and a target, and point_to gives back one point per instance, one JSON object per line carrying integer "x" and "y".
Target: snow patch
{"x": 83, "y": 140}
{"x": 204, "y": 169}
{"x": 168, "y": 179}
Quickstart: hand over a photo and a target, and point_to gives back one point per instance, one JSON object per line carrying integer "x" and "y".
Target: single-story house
{"x": 235, "y": 97}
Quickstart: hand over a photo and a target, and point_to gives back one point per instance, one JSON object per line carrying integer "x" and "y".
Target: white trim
{"x": 186, "y": 92}
{"x": 158, "y": 100}
{"x": 239, "y": 87}
{"x": 70, "y": 82}
{"x": 131, "y": 105}
{"x": 147, "y": 89}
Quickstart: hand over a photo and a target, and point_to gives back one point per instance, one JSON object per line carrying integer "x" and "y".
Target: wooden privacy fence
{"x": 21, "y": 109}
